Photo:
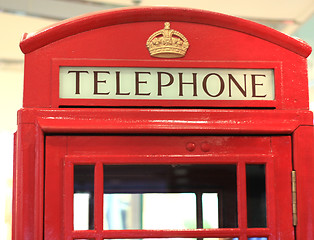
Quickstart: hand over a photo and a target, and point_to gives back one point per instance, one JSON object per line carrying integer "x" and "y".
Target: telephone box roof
{"x": 31, "y": 42}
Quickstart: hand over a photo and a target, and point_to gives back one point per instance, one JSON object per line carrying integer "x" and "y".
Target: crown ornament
{"x": 167, "y": 43}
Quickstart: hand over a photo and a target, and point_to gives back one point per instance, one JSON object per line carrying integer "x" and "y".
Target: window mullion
{"x": 69, "y": 193}
{"x": 98, "y": 192}
{"x": 242, "y": 204}
{"x": 199, "y": 210}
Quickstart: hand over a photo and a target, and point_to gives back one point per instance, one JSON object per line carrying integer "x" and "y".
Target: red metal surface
{"x": 31, "y": 42}
{"x": 118, "y": 38}
{"x": 215, "y": 40}
{"x": 303, "y": 156}
{"x": 169, "y": 121}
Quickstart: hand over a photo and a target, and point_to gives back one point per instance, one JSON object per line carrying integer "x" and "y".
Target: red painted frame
{"x": 35, "y": 124}
{"x": 277, "y": 170}
{"x": 57, "y": 102}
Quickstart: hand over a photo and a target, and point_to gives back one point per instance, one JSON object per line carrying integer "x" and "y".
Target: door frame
{"x": 35, "y": 124}
{"x": 60, "y": 180}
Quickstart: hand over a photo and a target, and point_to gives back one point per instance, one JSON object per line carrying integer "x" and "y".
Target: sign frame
{"x": 63, "y": 102}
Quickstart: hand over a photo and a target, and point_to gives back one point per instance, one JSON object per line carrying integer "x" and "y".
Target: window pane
{"x": 210, "y": 210}
{"x": 83, "y": 202}
{"x": 169, "y": 196}
{"x": 121, "y": 211}
{"x": 173, "y": 210}
{"x": 256, "y": 196}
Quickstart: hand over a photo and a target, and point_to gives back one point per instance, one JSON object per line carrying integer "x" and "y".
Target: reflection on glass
{"x": 210, "y": 210}
{"x": 83, "y": 202}
{"x": 256, "y": 196}
{"x": 169, "y": 196}
{"x": 119, "y": 211}
{"x": 174, "y": 211}
{"x": 135, "y": 211}
{"x": 81, "y": 211}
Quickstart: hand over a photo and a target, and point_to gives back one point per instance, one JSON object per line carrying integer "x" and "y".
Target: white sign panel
{"x": 166, "y": 83}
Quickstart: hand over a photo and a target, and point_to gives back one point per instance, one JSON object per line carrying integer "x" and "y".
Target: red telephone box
{"x": 163, "y": 123}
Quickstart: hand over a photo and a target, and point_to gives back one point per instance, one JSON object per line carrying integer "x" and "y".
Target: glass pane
{"x": 210, "y": 210}
{"x": 83, "y": 202}
{"x": 169, "y": 196}
{"x": 121, "y": 211}
{"x": 256, "y": 196}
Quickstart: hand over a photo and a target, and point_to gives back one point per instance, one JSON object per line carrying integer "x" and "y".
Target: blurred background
{"x": 293, "y": 17}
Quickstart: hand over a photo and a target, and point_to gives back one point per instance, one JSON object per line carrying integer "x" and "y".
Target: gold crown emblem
{"x": 167, "y": 43}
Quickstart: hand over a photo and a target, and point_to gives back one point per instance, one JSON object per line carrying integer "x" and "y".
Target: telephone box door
{"x": 154, "y": 186}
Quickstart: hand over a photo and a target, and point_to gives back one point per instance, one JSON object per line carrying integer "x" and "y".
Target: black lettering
{"x": 232, "y": 79}
{"x": 96, "y": 81}
{"x": 118, "y": 85}
{"x": 193, "y": 84}
{"x": 222, "y": 84}
{"x": 77, "y": 80}
{"x": 160, "y": 86}
{"x": 254, "y": 84}
{"x": 138, "y": 82}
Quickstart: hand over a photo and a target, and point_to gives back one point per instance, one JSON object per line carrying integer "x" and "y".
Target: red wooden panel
{"x": 25, "y": 214}
{"x": 54, "y": 183}
{"x": 170, "y": 145}
{"x": 281, "y": 173}
{"x": 303, "y": 156}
